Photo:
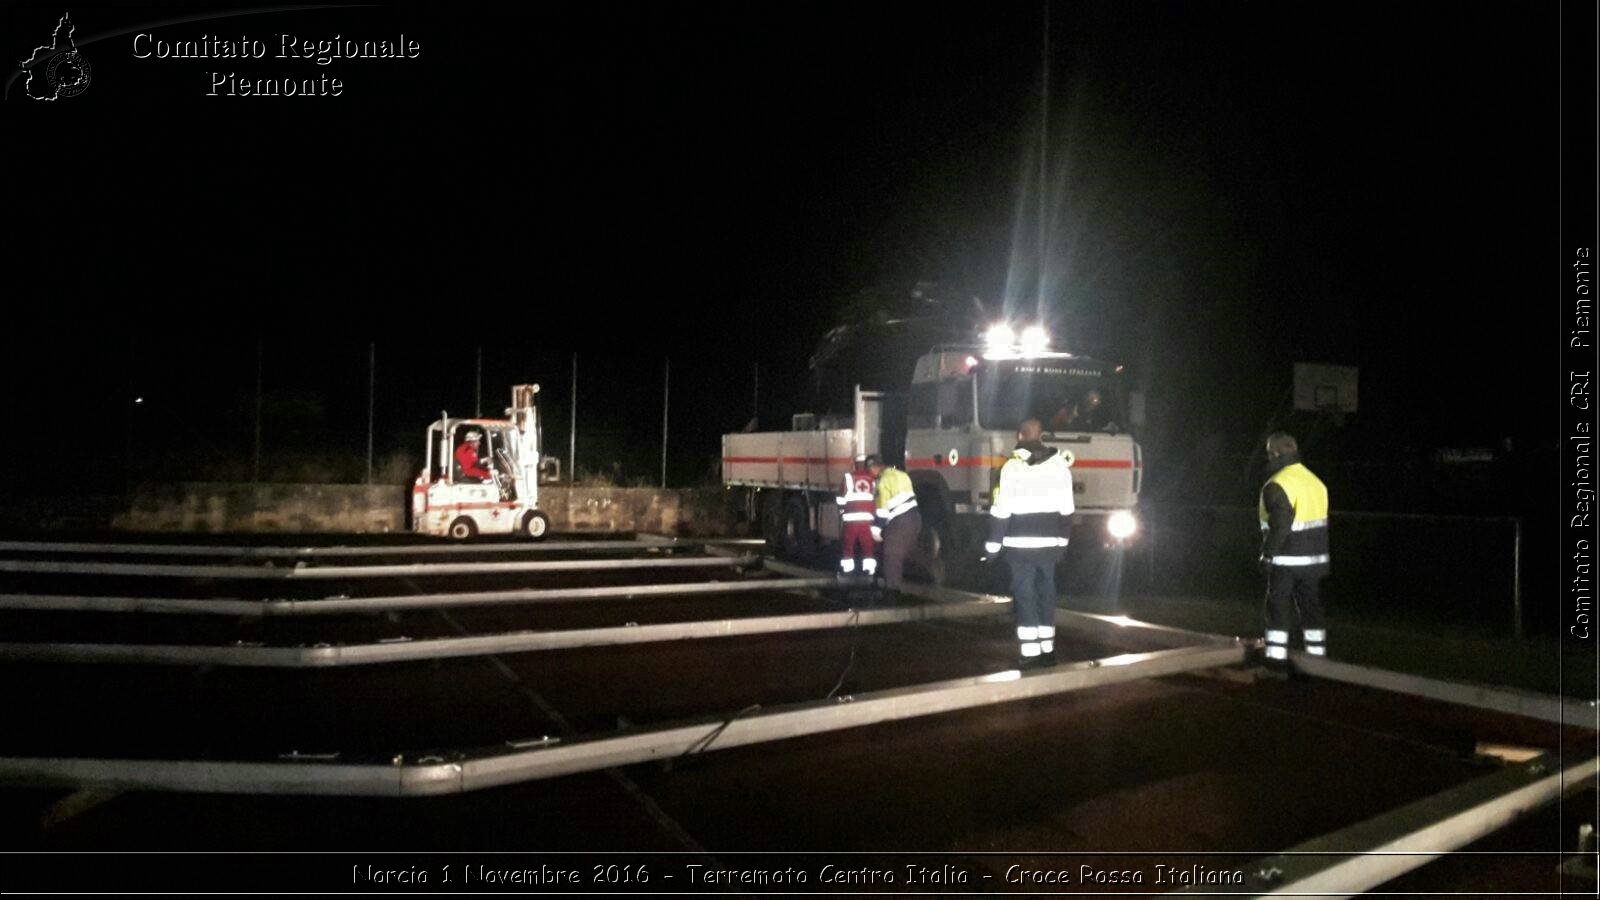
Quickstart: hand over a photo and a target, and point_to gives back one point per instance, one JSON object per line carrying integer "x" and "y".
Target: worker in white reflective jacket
{"x": 1031, "y": 522}
{"x": 1294, "y": 551}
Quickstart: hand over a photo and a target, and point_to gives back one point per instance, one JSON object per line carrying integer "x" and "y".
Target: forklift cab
{"x": 491, "y": 452}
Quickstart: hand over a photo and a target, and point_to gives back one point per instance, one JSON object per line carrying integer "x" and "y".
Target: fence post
{"x": 572, "y": 428}
{"x": 1516, "y": 577}
{"x": 255, "y": 466}
{"x": 666, "y": 394}
{"x": 372, "y": 383}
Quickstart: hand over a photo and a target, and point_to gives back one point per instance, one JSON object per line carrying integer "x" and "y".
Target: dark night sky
{"x": 1235, "y": 186}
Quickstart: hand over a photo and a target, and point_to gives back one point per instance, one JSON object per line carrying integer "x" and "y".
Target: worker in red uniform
{"x": 467, "y": 458}
{"x": 857, "y": 510}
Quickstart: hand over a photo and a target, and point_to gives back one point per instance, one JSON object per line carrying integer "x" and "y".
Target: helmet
{"x": 474, "y": 436}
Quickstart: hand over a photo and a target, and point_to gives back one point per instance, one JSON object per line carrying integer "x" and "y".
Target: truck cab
{"x": 966, "y": 403}
{"x": 481, "y": 476}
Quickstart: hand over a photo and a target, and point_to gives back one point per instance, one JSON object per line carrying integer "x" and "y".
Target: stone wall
{"x": 217, "y": 507}
{"x": 701, "y": 512}
{"x": 211, "y": 507}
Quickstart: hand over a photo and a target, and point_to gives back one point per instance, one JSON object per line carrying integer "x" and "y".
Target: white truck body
{"x": 810, "y": 461}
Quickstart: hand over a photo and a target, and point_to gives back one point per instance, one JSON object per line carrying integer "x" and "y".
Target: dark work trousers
{"x": 899, "y": 537}
{"x": 1292, "y": 599}
{"x": 1033, "y": 598}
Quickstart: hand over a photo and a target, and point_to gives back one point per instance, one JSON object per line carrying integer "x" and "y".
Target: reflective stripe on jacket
{"x": 1033, "y": 506}
{"x": 896, "y": 497}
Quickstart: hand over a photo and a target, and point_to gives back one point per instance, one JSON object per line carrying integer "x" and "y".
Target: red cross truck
{"x": 951, "y": 430}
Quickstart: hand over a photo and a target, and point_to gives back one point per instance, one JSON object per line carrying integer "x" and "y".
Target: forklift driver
{"x": 467, "y": 459}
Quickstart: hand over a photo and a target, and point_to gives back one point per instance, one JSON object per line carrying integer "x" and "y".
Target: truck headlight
{"x": 1035, "y": 339}
{"x": 1121, "y": 524}
{"x": 999, "y": 337}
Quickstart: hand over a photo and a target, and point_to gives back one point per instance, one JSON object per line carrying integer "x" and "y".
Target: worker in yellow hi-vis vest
{"x": 1294, "y": 551}
{"x": 899, "y": 523}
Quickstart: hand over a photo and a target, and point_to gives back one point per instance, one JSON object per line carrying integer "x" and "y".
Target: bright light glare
{"x": 999, "y": 335}
{"x": 1035, "y": 339}
{"x": 1122, "y": 524}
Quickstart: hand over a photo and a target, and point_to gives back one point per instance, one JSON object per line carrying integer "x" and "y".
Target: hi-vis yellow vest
{"x": 896, "y": 497}
{"x": 1307, "y": 544}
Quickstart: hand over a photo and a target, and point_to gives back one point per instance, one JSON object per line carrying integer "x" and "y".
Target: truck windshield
{"x": 1065, "y": 396}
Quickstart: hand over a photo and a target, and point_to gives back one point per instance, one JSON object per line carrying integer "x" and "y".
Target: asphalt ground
{"x": 1183, "y": 770}
{"x": 1192, "y": 769}
{"x": 412, "y": 708}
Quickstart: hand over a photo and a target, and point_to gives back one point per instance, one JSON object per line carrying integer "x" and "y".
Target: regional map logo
{"x": 57, "y": 70}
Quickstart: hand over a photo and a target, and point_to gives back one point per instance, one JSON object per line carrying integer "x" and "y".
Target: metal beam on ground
{"x": 1120, "y": 629}
{"x": 1112, "y": 628}
{"x": 74, "y": 805}
{"x": 1546, "y": 707}
{"x": 403, "y": 650}
{"x": 173, "y": 605}
{"x": 246, "y": 552}
{"x": 408, "y": 570}
{"x": 345, "y": 605}
{"x": 1364, "y": 856}
{"x": 461, "y": 772}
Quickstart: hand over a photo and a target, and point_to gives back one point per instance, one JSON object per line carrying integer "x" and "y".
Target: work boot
{"x": 1273, "y": 671}
{"x": 1047, "y": 659}
{"x": 1257, "y": 663}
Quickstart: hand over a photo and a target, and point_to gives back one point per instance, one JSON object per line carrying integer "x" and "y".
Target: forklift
{"x": 481, "y": 476}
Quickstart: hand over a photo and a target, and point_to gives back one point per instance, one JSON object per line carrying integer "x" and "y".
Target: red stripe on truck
{"x": 984, "y": 462}
{"x": 980, "y": 462}
{"x": 808, "y": 460}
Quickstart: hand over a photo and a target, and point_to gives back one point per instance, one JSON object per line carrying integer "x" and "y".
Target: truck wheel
{"x": 462, "y": 529}
{"x": 939, "y": 544}
{"x": 959, "y": 543}
{"x": 772, "y": 522}
{"x": 799, "y": 541}
{"x": 948, "y": 553}
{"x": 535, "y": 526}
{"x": 934, "y": 546}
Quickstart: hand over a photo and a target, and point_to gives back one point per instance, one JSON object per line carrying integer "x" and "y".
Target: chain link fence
{"x": 1459, "y": 573}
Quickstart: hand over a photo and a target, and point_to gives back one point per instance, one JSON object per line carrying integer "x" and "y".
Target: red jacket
{"x": 857, "y": 502}
{"x": 467, "y": 459}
